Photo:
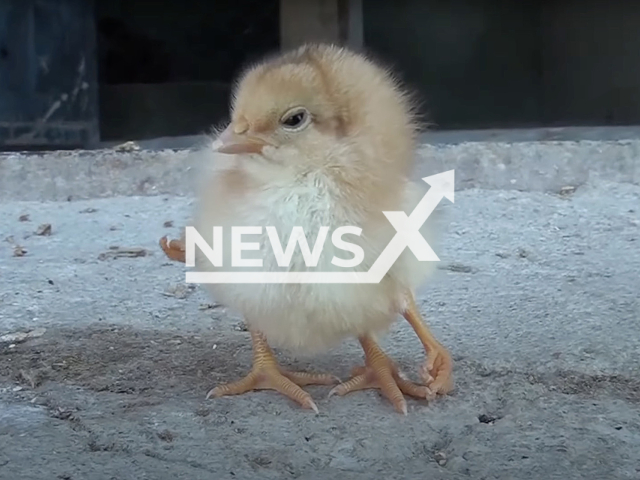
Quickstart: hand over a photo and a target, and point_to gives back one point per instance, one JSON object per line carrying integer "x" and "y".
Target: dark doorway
{"x": 505, "y": 64}
{"x": 165, "y": 66}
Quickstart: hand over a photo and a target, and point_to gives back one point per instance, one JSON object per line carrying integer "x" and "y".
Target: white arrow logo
{"x": 407, "y": 235}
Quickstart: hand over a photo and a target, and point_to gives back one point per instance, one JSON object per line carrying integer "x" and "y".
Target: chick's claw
{"x": 437, "y": 371}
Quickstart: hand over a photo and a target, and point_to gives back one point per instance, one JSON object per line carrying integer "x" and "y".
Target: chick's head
{"x": 320, "y": 105}
{"x": 280, "y": 111}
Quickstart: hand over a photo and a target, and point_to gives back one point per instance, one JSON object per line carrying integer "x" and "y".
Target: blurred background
{"x": 84, "y": 73}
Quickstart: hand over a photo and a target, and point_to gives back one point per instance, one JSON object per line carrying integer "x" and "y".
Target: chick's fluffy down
{"x": 305, "y": 318}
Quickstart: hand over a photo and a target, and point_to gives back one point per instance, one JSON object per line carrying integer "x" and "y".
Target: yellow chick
{"x": 320, "y": 138}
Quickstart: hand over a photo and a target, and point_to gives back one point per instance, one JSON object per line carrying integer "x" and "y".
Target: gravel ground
{"x": 536, "y": 297}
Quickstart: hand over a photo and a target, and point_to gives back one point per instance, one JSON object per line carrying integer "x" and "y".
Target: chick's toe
{"x": 437, "y": 371}
{"x": 380, "y": 372}
{"x": 266, "y": 374}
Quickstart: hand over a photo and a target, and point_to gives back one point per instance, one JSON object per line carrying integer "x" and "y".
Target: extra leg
{"x": 438, "y": 368}
{"x": 174, "y": 249}
{"x": 266, "y": 374}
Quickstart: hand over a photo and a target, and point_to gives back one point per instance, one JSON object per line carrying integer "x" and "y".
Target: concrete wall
{"x": 544, "y": 166}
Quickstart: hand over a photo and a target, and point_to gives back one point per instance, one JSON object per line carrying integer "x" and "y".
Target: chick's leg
{"x": 438, "y": 367}
{"x": 266, "y": 374}
{"x": 380, "y": 372}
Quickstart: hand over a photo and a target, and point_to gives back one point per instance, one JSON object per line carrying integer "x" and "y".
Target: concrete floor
{"x": 536, "y": 297}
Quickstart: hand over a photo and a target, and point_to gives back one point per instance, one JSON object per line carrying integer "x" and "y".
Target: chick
{"x": 319, "y": 136}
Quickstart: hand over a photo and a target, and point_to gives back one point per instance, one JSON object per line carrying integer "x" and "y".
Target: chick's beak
{"x": 234, "y": 143}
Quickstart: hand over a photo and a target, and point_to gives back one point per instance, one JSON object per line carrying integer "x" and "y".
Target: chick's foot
{"x": 380, "y": 372}
{"x": 437, "y": 371}
{"x": 173, "y": 249}
{"x": 266, "y": 374}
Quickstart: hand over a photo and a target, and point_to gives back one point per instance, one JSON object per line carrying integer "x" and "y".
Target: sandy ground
{"x": 536, "y": 297}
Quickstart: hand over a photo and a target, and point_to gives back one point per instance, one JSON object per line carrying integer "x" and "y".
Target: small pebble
{"x": 567, "y": 190}
{"x": 128, "y": 147}
{"x": 44, "y": 229}
{"x": 441, "y": 458}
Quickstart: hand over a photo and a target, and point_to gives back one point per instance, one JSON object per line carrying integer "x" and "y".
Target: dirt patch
{"x": 575, "y": 383}
{"x": 123, "y": 360}
{"x": 149, "y": 364}
{"x": 567, "y": 382}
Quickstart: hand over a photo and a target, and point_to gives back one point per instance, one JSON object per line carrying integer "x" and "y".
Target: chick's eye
{"x": 296, "y": 120}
